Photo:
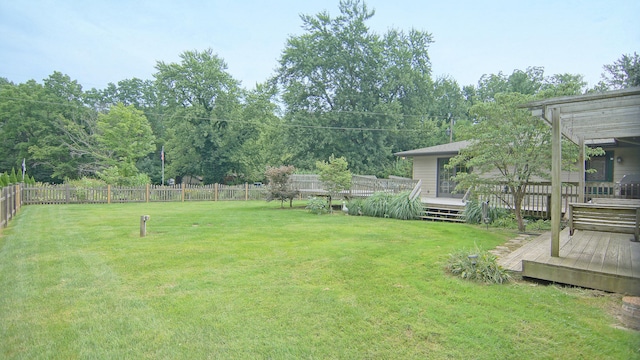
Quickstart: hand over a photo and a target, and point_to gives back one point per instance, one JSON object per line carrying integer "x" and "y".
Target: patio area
{"x": 591, "y": 259}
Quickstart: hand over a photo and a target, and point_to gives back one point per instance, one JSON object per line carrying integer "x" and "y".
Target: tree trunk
{"x": 518, "y": 197}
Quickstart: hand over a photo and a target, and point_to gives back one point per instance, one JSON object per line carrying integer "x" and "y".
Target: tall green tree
{"x": 35, "y": 121}
{"x": 123, "y": 137}
{"x": 623, "y": 73}
{"x": 202, "y": 103}
{"x": 144, "y": 96}
{"x": 23, "y": 121}
{"x": 350, "y": 91}
{"x": 260, "y": 134}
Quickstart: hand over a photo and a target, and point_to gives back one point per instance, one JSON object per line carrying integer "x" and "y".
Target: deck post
{"x": 556, "y": 183}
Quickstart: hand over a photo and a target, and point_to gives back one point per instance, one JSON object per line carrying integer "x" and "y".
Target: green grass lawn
{"x": 247, "y": 280}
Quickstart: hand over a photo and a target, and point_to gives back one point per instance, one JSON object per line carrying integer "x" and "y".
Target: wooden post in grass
{"x": 143, "y": 225}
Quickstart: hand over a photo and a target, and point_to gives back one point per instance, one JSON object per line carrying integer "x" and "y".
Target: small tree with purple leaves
{"x": 279, "y": 187}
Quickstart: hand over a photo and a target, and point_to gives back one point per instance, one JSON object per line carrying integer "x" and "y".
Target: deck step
{"x": 445, "y": 219}
{"x": 447, "y": 213}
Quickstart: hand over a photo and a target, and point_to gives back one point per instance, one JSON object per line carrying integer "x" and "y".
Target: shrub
{"x": 403, "y": 208}
{"x": 477, "y": 265}
{"x": 81, "y": 186}
{"x": 317, "y": 206}
{"x": 507, "y": 221}
{"x": 539, "y": 224}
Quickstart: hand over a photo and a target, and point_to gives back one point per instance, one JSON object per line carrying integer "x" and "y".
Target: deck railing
{"x": 612, "y": 190}
{"x": 361, "y": 186}
{"x": 536, "y": 201}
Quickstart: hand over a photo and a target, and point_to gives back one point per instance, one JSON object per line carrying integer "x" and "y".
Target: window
{"x": 445, "y": 184}
{"x": 603, "y": 166}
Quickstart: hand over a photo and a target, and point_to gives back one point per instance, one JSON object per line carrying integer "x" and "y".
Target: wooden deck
{"x": 591, "y": 259}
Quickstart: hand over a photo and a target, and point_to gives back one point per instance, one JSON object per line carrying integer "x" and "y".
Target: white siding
{"x": 630, "y": 162}
{"x": 426, "y": 168}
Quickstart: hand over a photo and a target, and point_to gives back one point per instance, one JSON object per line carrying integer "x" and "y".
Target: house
{"x": 617, "y": 172}
{"x": 429, "y": 166}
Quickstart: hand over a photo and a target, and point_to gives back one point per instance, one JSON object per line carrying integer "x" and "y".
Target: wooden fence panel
{"x": 9, "y": 204}
{"x": 160, "y": 193}
{"x": 128, "y": 194}
{"x": 200, "y": 193}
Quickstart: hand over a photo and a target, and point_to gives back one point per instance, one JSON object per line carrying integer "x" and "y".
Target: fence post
{"x": 66, "y": 193}
{"x": 246, "y": 191}
{"x": 183, "y": 185}
{"x": 215, "y": 192}
{"x": 18, "y": 198}
{"x": 4, "y": 204}
{"x": 108, "y": 194}
{"x": 147, "y": 194}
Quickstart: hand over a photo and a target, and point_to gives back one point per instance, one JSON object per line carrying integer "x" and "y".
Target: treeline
{"x": 340, "y": 89}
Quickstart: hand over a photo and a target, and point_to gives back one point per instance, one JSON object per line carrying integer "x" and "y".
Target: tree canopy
{"x": 350, "y": 91}
{"x": 339, "y": 88}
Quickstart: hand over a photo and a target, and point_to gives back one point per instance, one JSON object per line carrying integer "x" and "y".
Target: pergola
{"x": 613, "y": 114}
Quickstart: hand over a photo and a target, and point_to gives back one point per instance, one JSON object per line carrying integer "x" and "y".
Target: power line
{"x": 280, "y": 124}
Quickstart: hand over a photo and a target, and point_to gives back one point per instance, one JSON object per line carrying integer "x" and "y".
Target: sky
{"x": 97, "y": 42}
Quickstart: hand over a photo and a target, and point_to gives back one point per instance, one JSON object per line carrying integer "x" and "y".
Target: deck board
{"x": 598, "y": 256}
{"x": 592, "y": 259}
{"x": 610, "y": 261}
{"x": 634, "y": 255}
{"x": 624, "y": 262}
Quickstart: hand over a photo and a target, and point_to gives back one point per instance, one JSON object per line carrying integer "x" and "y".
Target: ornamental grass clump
{"x": 355, "y": 206}
{"x": 377, "y": 205}
{"x": 403, "y": 207}
{"x": 473, "y": 212}
{"x": 477, "y": 265}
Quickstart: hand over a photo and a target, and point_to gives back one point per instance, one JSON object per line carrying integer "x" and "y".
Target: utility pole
{"x": 162, "y": 157}
{"x": 450, "y": 128}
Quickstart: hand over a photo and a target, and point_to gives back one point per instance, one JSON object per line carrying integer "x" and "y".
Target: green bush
{"x": 506, "y": 221}
{"x": 81, "y": 186}
{"x": 477, "y": 265}
{"x": 403, "y": 208}
{"x": 317, "y": 206}
{"x": 539, "y": 224}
